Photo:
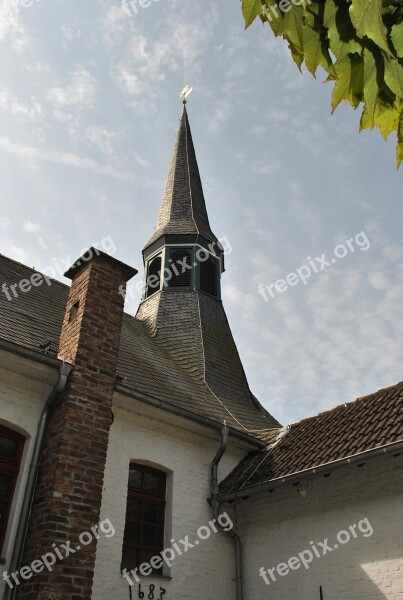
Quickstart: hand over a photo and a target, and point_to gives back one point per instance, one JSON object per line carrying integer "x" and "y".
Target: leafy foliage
{"x": 359, "y": 43}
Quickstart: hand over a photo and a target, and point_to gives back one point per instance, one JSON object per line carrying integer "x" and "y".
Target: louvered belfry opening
{"x": 180, "y": 266}
{"x": 208, "y": 276}
{"x": 153, "y": 277}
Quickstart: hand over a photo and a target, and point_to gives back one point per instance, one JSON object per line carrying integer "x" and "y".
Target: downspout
{"x": 64, "y": 372}
{"x": 215, "y": 507}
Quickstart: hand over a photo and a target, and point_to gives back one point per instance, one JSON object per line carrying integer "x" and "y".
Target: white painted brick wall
{"x": 204, "y": 572}
{"x": 279, "y": 525}
{"x": 21, "y": 402}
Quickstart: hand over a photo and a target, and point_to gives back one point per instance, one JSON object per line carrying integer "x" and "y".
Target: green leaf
{"x": 399, "y": 147}
{"x": 315, "y": 48}
{"x": 349, "y": 82}
{"x": 366, "y": 121}
{"x": 394, "y": 76}
{"x": 297, "y": 55}
{"x": 251, "y": 9}
{"x": 367, "y": 19}
{"x": 387, "y": 119}
{"x": 341, "y": 33}
{"x": 397, "y": 39}
{"x": 371, "y": 90}
{"x": 293, "y": 25}
{"x": 273, "y": 16}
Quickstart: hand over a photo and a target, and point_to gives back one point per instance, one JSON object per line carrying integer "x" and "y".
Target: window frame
{"x": 154, "y": 498}
{"x": 212, "y": 277}
{"x": 10, "y": 468}
{"x": 151, "y": 290}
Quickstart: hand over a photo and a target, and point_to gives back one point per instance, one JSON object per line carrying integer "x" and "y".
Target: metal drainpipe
{"x": 64, "y": 372}
{"x": 215, "y": 506}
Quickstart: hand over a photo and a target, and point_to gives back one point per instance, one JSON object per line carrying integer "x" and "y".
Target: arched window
{"x": 145, "y": 518}
{"x": 11, "y": 447}
{"x": 208, "y": 276}
{"x": 153, "y": 283}
{"x": 180, "y": 266}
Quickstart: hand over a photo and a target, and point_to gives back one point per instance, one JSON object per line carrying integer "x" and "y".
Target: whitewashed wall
{"x": 277, "y": 526}
{"x": 203, "y": 572}
{"x": 21, "y": 401}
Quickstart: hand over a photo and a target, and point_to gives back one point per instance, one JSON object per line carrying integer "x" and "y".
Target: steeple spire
{"x": 184, "y": 322}
{"x": 183, "y": 209}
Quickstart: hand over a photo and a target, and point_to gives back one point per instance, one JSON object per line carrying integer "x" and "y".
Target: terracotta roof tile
{"x": 365, "y": 424}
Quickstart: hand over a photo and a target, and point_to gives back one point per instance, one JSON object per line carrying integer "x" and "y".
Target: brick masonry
{"x": 69, "y": 490}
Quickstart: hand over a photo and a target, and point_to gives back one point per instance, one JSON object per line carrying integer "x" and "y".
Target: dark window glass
{"x": 144, "y": 531}
{"x": 11, "y": 446}
{"x": 208, "y": 276}
{"x": 152, "y": 483}
{"x": 180, "y": 266}
{"x": 153, "y": 277}
{"x": 8, "y": 448}
{"x": 6, "y": 484}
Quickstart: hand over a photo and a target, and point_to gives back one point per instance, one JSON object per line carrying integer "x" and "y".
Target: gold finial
{"x": 185, "y": 93}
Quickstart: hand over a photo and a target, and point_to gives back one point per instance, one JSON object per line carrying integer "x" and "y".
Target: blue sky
{"x": 89, "y": 109}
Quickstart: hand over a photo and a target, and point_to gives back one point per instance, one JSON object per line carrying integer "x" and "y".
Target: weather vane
{"x": 187, "y": 90}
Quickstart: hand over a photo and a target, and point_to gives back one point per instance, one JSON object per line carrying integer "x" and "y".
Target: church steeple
{"x": 184, "y": 328}
{"x": 183, "y": 252}
{"x": 183, "y": 209}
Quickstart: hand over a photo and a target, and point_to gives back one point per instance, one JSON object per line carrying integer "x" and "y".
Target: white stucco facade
{"x": 22, "y": 398}
{"x": 273, "y": 526}
{"x": 205, "y": 571}
{"x": 277, "y": 526}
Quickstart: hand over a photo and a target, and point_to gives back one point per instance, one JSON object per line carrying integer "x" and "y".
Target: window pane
{"x": 152, "y": 483}
{"x": 132, "y": 533}
{"x": 3, "y": 512}
{"x": 181, "y": 269}
{"x": 130, "y": 558}
{"x": 133, "y": 512}
{"x": 153, "y": 513}
{"x": 6, "y": 483}
{"x": 152, "y": 536}
{"x": 135, "y": 478}
{"x": 146, "y": 556}
{"x": 8, "y": 448}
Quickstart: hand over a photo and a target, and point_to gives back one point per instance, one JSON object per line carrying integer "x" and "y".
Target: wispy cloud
{"x": 63, "y": 158}
{"x": 79, "y": 93}
{"x": 25, "y": 111}
{"x": 11, "y": 28}
{"x": 34, "y": 228}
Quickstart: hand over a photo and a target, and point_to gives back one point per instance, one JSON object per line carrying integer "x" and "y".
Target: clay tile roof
{"x": 347, "y": 430}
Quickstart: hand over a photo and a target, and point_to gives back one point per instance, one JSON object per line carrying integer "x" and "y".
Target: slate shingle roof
{"x": 349, "y": 429}
{"x": 159, "y": 356}
{"x": 183, "y": 208}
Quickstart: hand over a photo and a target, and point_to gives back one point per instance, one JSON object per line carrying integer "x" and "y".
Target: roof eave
{"x": 392, "y": 448}
{"x": 187, "y": 414}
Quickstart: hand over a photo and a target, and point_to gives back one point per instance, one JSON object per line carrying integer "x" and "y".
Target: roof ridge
{"x": 346, "y": 405}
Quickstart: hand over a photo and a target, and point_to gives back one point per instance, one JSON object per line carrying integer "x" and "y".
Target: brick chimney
{"x": 69, "y": 490}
